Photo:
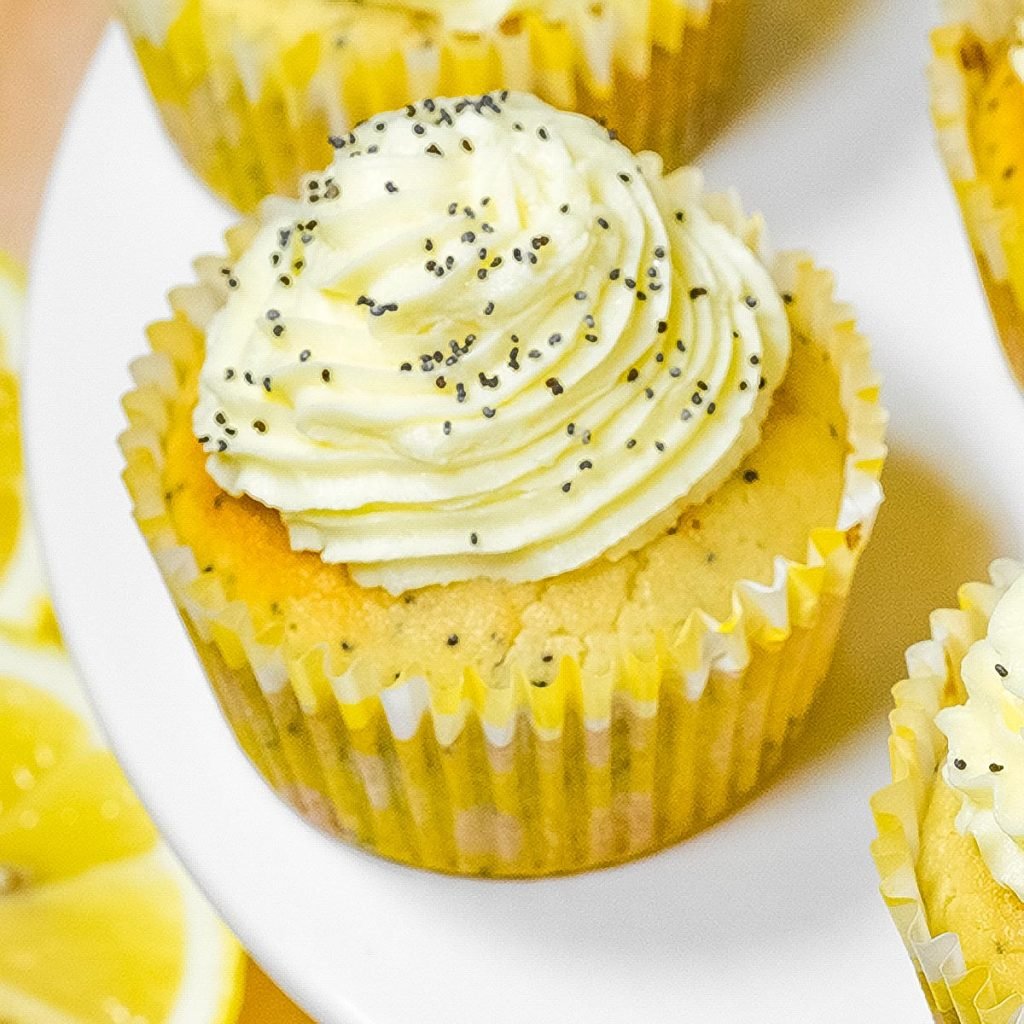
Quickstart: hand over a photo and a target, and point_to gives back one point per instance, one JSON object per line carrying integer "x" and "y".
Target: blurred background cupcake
{"x": 950, "y": 849}
{"x": 510, "y": 489}
{"x": 251, "y": 90}
{"x": 977, "y": 83}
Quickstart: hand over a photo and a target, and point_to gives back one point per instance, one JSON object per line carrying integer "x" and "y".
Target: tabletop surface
{"x": 771, "y": 916}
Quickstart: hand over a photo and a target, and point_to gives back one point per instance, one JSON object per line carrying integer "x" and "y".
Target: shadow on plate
{"x": 782, "y": 37}
{"x": 794, "y": 861}
{"x": 929, "y": 540}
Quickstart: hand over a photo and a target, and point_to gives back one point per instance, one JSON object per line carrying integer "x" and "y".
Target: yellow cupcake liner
{"x": 996, "y": 232}
{"x": 958, "y": 992}
{"x": 625, "y": 751}
{"x": 252, "y": 115}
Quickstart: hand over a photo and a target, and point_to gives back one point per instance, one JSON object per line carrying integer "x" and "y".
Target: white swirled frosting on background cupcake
{"x": 1017, "y": 48}
{"x": 986, "y": 743}
{"x": 470, "y": 16}
{"x": 489, "y": 341}
{"x": 481, "y": 15}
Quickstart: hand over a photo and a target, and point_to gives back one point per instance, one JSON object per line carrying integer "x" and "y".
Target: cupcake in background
{"x": 950, "y": 849}
{"x": 977, "y": 86}
{"x": 250, "y": 90}
{"x": 509, "y": 488}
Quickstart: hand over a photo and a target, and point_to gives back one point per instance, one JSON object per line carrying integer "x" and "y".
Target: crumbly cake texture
{"x": 792, "y": 483}
{"x": 963, "y": 899}
{"x": 251, "y": 111}
{"x": 528, "y": 729}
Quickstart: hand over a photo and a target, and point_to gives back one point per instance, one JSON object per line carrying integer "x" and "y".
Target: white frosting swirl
{"x": 486, "y": 343}
{"x": 486, "y": 15}
{"x": 986, "y": 743}
{"x": 1017, "y": 50}
{"x": 153, "y": 18}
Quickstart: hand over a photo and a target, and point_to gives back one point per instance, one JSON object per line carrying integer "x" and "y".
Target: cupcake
{"x": 250, "y": 90}
{"x": 509, "y": 489}
{"x": 950, "y": 849}
{"x": 977, "y": 80}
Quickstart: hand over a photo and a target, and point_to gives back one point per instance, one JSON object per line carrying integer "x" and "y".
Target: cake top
{"x": 488, "y": 341}
{"x": 986, "y": 743}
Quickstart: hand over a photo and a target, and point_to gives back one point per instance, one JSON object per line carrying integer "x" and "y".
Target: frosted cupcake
{"x": 977, "y": 78}
{"x": 951, "y": 831}
{"x": 510, "y": 491}
{"x": 250, "y": 90}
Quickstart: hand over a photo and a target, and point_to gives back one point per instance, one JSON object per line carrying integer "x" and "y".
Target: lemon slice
{"x": 21, "y": 578}
{"x": 24, "y": 606}
{"x": 12, "y": 307}
{"x": 98, "y": 925}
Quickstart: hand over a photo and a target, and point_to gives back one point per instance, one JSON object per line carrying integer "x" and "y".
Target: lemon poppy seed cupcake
{"x": 977, "y": 79}
{"x": 951, "y": 834}
{"x": 509, "y": 489}
{"x": 250, "y": 91}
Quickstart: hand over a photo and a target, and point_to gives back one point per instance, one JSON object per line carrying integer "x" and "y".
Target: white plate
{"x": 773, "y": 916}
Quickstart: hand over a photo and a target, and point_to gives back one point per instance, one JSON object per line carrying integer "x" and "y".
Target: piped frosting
{"x": 488, "y": 341}
{"x": 986, "y": 742}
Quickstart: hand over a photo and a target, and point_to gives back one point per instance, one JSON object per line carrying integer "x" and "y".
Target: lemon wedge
{"x": 24, "y": 606}
{"x": 98, "y": 925}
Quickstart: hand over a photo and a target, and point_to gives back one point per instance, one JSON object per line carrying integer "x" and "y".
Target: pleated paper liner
{"x": 252, "y": 117}
{"x": 618, "y": 757}
{"x": 958, "y": 992}
{"x": 962, "y": 53}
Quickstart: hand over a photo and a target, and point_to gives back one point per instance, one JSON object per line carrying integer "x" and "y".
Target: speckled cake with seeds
{"x": 511, "y": 491}
{"x": 949, "y": 849}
